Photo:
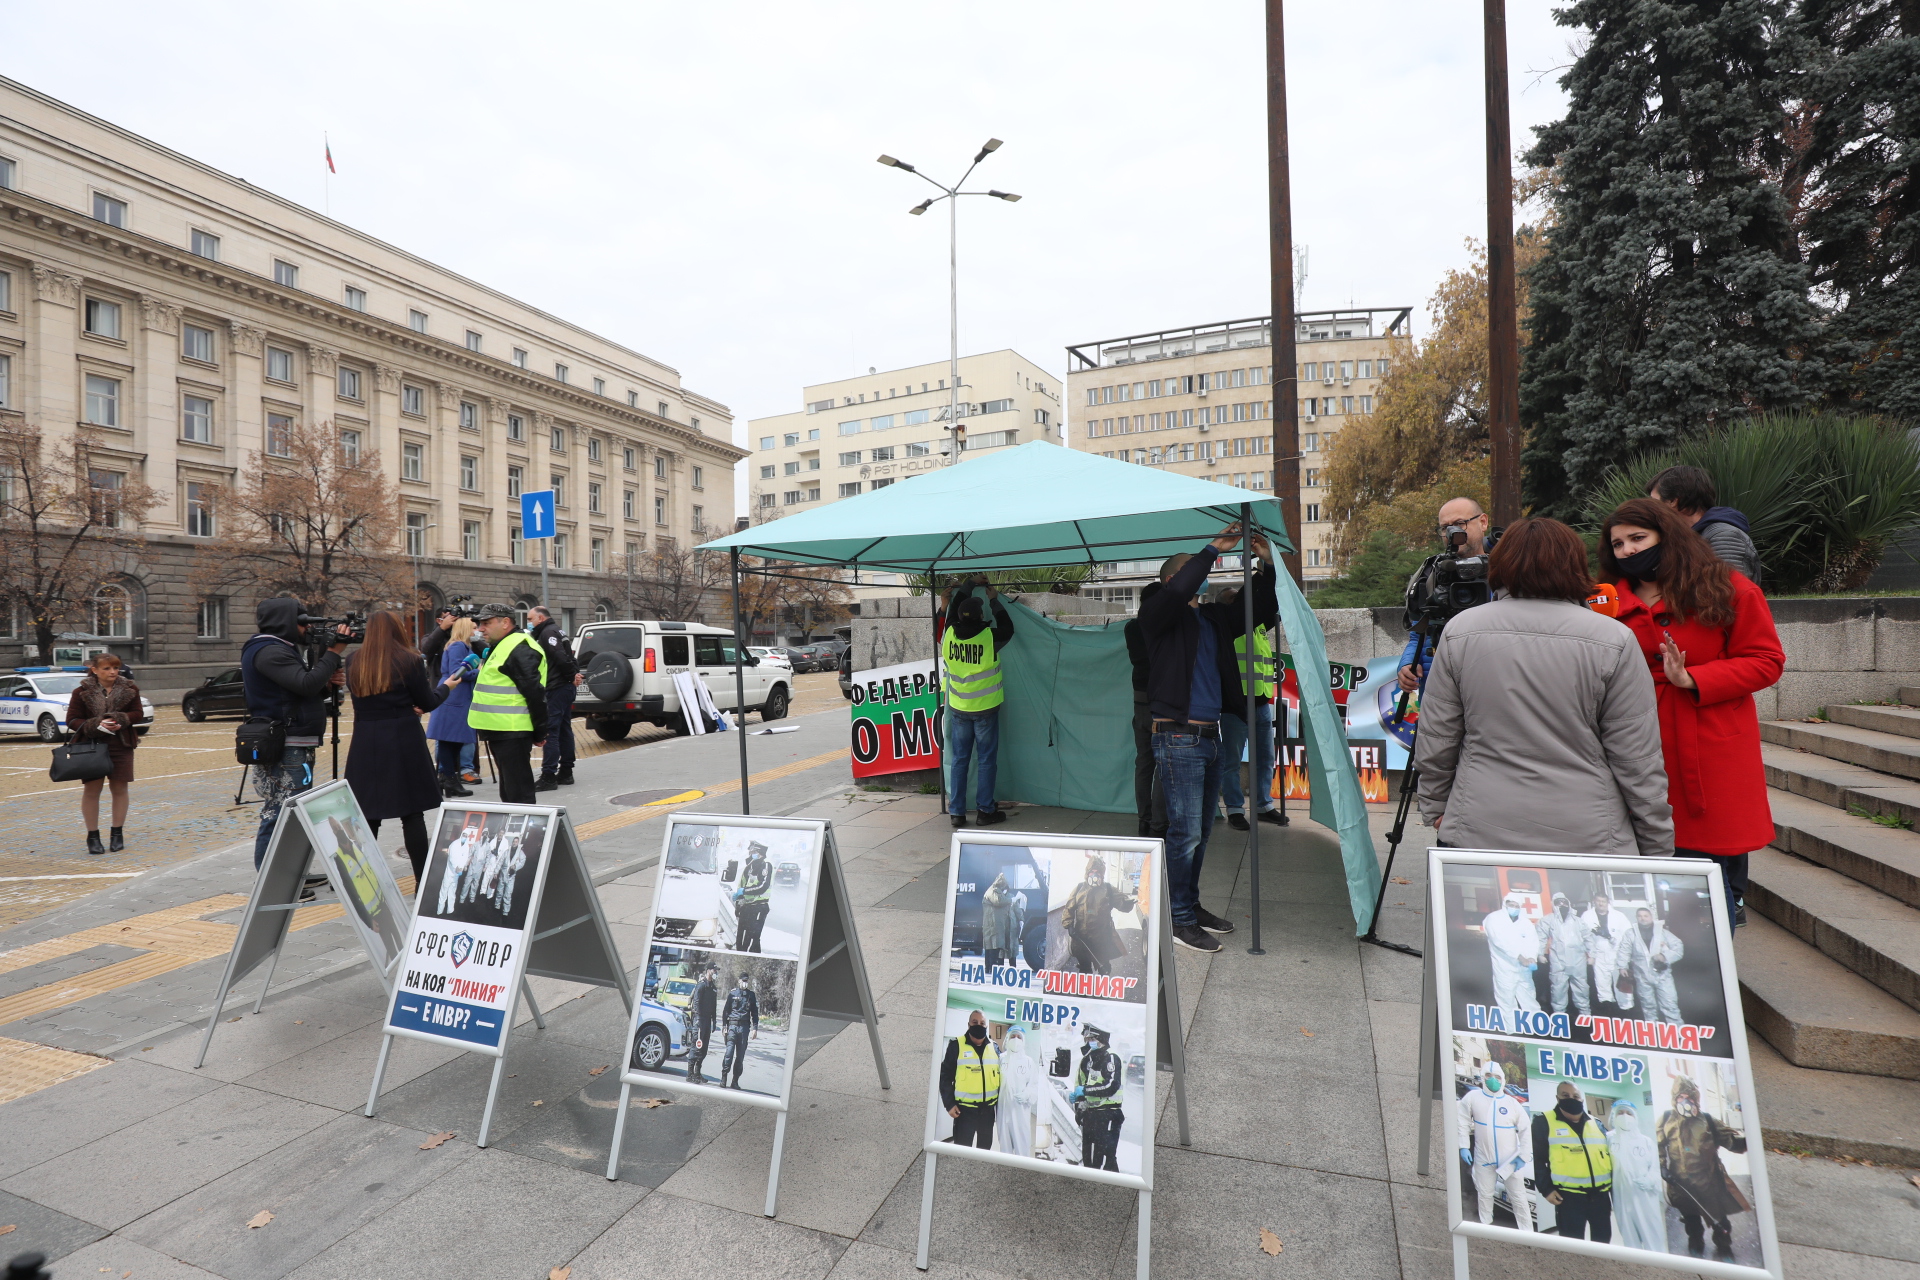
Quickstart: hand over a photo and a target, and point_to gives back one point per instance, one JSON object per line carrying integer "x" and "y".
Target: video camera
{"x": 326, "y": 631}
{"x": 1448, "y": 584}
{"x": 460, "y": 606}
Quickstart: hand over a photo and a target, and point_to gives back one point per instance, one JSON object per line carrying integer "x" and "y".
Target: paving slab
{"x": 845, "y": 1064}
{"x": 1804, "y": 1263}
{"x": 337, "y": 1073}
{"x": 43, "y": 1125}
{"x": 863, "y": 1261}
{"x": 1400, "y": 1115}
{"x": 247, "y": 1042}
{"x": 914, "y": 993}
{"x": 118, "y": 1256}
{"x": 1831, "y": 1205}
{"x": 38, "y": 1229}
{"x": 576, "y": 1131}
{"x": 665, "y": 1232}
{"x": 539, "y": 1069}
{"x": 1316, "y": 1115}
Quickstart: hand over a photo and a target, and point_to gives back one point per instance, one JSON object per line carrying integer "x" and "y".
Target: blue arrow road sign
{"x": 536, "y": 514}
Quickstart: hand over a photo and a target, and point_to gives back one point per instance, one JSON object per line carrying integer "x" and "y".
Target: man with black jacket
{"x": 1188, "y": 646}
{"x": 511, "y": 718}
{"x": 563, "y": 675}
{"x": 435, "y": 642}
{"x": 281, "y": 687}
{"x": 702, "y": 1009}
{"x": 1148, "y": 803}
{"x": 742, "y": 1016}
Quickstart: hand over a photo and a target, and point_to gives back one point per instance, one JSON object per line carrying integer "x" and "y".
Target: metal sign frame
{"x": 1437, "y": 1031}
{"x": 1165, "y": 1030}
{"x": 838, "y": 955}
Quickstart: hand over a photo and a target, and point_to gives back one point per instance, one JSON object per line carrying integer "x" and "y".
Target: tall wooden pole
{"x": 1286, "y": 385}
{"x": 1503, "y": 326}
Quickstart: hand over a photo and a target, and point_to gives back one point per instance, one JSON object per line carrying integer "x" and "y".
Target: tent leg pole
{"x": 933, "y": 625}
{"x": 740, "y": 683}
{"x": 1252, "y": 710}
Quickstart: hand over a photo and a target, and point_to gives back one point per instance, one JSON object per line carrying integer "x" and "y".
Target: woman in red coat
{"x": 1710, "y": 643}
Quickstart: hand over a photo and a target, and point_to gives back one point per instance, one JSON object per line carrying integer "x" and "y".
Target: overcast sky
{"x": 698, "y": 181}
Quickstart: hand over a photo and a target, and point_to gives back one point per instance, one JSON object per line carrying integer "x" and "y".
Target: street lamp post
{"x": 955, "y": 433}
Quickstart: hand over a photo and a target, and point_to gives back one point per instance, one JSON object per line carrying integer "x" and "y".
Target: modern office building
{"x": 1199, "y": 401}
{"x": 186, "y": 320}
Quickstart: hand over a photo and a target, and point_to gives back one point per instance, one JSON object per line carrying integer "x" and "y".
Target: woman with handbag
{"x": 388, "y": 765}
{"x": 103, "y": 709}
{"x": 453, "y": 738}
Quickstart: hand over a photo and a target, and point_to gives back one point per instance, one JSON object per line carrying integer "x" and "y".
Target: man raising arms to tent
{"x": 1188, "y": 643}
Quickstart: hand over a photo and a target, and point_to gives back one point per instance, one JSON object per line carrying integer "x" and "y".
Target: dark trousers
{"x": 558, "y": 757}
{"x": 1582, "y": 1212}
{"x": 413, "y": 827}
{"x": 697, "y": 1053}
{"x": 1733, "y": 872}
{"x": 753, "y": 918}
{"x": 1149, "y": 802}
{"x": 973, "y": 1127}
{"x": 513, "y": 761}
{"x": 1189, "y": 774}
{"x": 734, "y": 1061}
{"x": 1100, "y": 1138}
{"x": 1695, "y": 1223}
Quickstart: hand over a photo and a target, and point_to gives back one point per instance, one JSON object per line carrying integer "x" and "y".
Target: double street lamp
{"x": 956, "y": 434}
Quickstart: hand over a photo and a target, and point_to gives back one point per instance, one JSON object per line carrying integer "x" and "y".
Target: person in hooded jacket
{"x": 970, "y": 675}
{"x": 280, "y": 686}
{"x": 1690, "y": 491}
{"x": 1149, "y": 802}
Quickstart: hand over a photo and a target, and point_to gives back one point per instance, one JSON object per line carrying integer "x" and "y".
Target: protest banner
{"x": 897, "y": 716}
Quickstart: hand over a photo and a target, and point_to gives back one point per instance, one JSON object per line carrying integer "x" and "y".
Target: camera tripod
{"x": 1409, "y": 783}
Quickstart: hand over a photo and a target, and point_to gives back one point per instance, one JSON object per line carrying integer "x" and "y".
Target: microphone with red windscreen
{"x": 1604, "y": 599}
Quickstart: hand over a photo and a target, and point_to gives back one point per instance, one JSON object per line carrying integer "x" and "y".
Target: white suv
{"x": 630, "y": 668}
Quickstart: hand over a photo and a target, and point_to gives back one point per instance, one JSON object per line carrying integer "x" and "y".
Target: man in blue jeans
{"x": 970, "y": 676}
{"x": 1188, "y": 644}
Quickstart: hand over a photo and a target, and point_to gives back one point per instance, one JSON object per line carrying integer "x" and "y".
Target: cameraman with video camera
{"x": 289, "y": 693}
{"x": 1464, "y": 531}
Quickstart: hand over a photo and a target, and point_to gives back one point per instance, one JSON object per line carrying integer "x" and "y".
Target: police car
{"x": 662, "y": 1031}
{"x": 34, "y": 700}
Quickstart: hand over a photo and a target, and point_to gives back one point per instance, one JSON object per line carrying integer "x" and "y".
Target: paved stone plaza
{"x": 1302, "y": 1093}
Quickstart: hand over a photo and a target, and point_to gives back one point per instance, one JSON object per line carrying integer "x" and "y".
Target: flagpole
{"x": 327, "y": 206}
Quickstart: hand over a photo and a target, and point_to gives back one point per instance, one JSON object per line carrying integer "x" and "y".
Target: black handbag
{"x": 260, "y": 742}
{"x": 80, "y": 762}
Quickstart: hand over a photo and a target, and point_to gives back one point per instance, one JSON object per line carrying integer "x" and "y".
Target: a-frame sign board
{"x": 325, "y": 822}
{"x": 751, "y": 927}
{"x": 505, "y": 894}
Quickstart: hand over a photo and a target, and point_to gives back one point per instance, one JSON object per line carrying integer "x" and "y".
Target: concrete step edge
{"x": 1882, "y": 858}
{"x": 1818, "y": 1013}
{"x": 1839, "y": 784}
{"x": 1884, "y": 752}
{"x": 1901, "y": 721}
{"x": 1910, "y": 695}
{"x": 1876, "y": 936}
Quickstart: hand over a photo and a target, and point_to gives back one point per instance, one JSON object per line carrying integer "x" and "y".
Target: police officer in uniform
{"x": 1096, "y": 1100}
{"x": 701, "y": 1011}
{"x": 970, "y": 1084}
{"x": 742, "y": 1016}
{"x": 750, "y": 899}
{"x": 509, "y": 711}
{"x": 970, "y": 673}
{"x": 1577, "y": 1155}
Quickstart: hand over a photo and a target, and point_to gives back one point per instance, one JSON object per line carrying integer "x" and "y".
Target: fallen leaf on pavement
{"x": 1401, "y": 880}
{"x": 538, "y": 1103}
{"x": 650, "y": 1103}
{"x": 11, "y": 1226}
{"x": 259, "y": 1220}
{"x": 596, "y": 1071}
{"x": 1270, "y": 1243}
{"x": 559, "y": 1273}
{"x": 1306, "y": 1033}
{"x": 437, "y": 1139}
{"x": 234, "y": 1018}
{"x": 299, "y": 1022}
{"x": 1914, "y": 1178}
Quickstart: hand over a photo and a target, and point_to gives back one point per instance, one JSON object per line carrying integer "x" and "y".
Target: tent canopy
{"x": 1038, "y": 504}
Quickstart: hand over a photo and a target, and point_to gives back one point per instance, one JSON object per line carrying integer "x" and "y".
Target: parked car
{"x": 34, "y": 700}
{"x": 821, "y": 657}
{"x": 801, "y": 658}
{"x": 629, "y": 668}
{"x": 220, "y": 694}
{"x": 787, "y": 873}
{"x": 771, "y": 656}
{"x": 661, "y": 1036}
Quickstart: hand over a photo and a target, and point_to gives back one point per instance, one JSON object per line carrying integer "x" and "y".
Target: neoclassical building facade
{"x": 188, "y": 321}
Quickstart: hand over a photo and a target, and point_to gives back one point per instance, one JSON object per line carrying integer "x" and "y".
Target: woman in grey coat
{"x": 1538, "y": 728}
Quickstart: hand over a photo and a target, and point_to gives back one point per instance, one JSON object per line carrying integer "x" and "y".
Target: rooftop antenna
{"x": 1299, "y": 276}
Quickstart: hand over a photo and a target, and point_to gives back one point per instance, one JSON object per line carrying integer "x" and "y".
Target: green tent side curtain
{"x": 1044, "y": 504}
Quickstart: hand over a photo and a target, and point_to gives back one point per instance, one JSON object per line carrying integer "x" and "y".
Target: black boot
{"x": 451, "y": 789}
{"x": 93, "y": 843}
{"x": 115, "y": 841}
{"x": 566, "y": 778}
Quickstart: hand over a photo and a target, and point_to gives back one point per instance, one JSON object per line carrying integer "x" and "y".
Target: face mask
{"x": 1565, "y": 911}
{"x": 1493, "y": 1084}
{"x": 1513, "y": 913}
{"x": 1642, "y": 566}
{"x": 976, "y": 1033}
{"x": 1626, "y": 1123}
{"x": 1687, "y": 1107}
{"x": 1570, "y": 1106}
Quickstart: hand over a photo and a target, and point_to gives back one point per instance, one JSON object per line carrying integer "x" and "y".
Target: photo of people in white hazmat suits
{"x": 483, "y": 866}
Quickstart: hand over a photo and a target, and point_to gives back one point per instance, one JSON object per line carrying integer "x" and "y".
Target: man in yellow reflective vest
{"x": 970, "y": 674}
{"x": 1233, "y": 722}
{"x": 970, "y": 1084}
{"x": 509, "y": 711}
{"x": 1573, "y": 1167}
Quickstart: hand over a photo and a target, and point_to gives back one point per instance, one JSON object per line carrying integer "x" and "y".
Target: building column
{"x": 246, "y": 419}
{"x": 493, "y": 532}
{"x": 156, "y": 403}
{"x": 52, "y": 401}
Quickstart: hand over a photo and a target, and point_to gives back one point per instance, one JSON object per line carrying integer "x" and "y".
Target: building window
{"x": 516, "y": 481}
{"x": 766, "y": 442}
{"x": 348, "y": 383}
{"x": 416, "y": 533}
{"x": 417, "y": 321}
{"x": 206, "y": 245}
{"x": 286, "y": 274}
{"x": 602, "y": 612}
{"x": 700, "y": 475}
{"x": 557, "y": 440}
{"x": 597, "y": 554}
{"x": 6, "y": 381}
{"x": 599, "y": 386}
{"x": 469, "y": 474}
{"x": 791, "y": 498}
{"x": 196, "y": 343}
{"x": 1346, "y": 404}
{"x": 469, "y": 416}
{"x": 792, "y": 469}
{"x": 883, "y": 454}
{"x": 593, "y": 448}
{"x": 356, "y": 299}
{"x": 470, "y": 539}
{"x": 695, "y": 424}
{"x": 846, "y": 429}
{"x": 850, "y": 490}
{"x": 279, "y": 365}
{"x": 6, "y": 291}
{"x": 1313, "y": 557}
{"x": 350, "y": 447}
{"x": 199, "y": 510}
{"x": 662, "y": 406}
{"x": 699, "y": 519}
{"x": 846, "y": 460}
{"x": 103, "y": 318}
{"x": 213, "y": 618}
{"x": 6, "y": 174}
{"x": 629, "y": 459}
{"x": 473, "y": 340}
{"x": 516, "y": 427}
{"x": 413, "y": 400}
{"x": 659, "y": 466}
{"x": 196, "y": 420}
{"x": 559, "y": 373}
{"x": 813, "y": 493}
{"x": 520, "y": 357}
{"x": 103, "y": 401}
{"x": 633, "y": 399}
{"x": 413, "y": 461}
{"x": 593, "y": 496}
{"x": 559, "y": 486}
{"x": 1366, "y": 402}
{"x": 1312, "y": 513}
{"x": 659, "y": 510}
{"x": 110, "y": 211}
{"x": 112, "y": 612}
{"x": 767, "y": 499}
{"x": 516, "y": 545}
{"x": 103, "y": 491}
{"x": 560, "y": 550}
{"x": 626, "y": 504}
{"x": 280, "y": 435}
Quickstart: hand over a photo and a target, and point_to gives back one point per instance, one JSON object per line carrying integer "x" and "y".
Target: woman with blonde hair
{"x": 453, "y": 738}
{"x": 105, "y": 705}
{"x": 388, "y": 765}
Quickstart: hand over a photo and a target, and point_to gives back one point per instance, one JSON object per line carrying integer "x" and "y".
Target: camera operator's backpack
{"x": 260, "y": 742}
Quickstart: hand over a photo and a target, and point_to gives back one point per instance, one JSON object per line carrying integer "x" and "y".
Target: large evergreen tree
{"x": 1858, "y": 188}
{"x": 1671, "y": 296}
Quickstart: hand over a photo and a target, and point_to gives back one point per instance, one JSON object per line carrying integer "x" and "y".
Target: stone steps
{"x": 1858, "y": 926}
{"x": 1839, "y": 784}
{"x": 1901, "y": 721}
{"x": 1819, "y": 1014}
{"x": 1869, "y": 748}
{"x": 1880, "y": 857}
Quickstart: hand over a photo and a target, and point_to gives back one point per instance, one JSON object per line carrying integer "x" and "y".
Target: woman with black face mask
{"x": 1710, "y": 643}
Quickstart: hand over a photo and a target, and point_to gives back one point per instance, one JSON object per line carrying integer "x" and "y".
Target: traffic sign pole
{"x": 543, "y": 575}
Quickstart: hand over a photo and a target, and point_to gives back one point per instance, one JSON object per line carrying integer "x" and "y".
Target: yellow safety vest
{"x": 976, "y": 1076}
{"x": 972, "y": 671}
{"x": 1263, "y": 676}
{"x": 497, "y": 704}
{"x": 1581, "y": 1161}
